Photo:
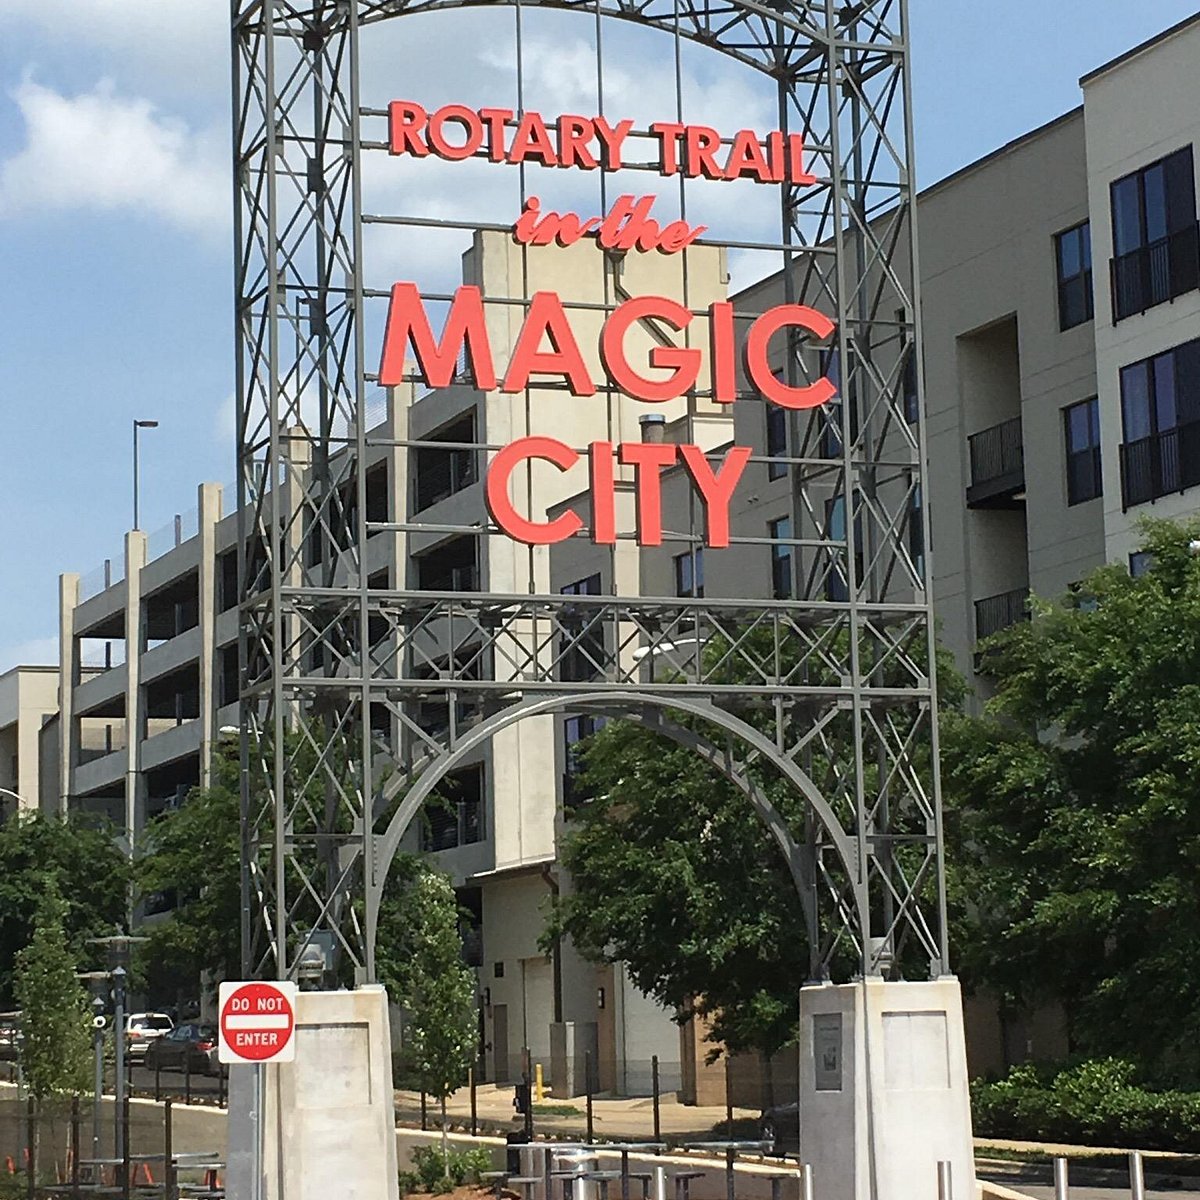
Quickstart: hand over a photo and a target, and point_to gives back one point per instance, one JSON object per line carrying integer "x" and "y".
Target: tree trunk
{"x": 445, "y": 1140}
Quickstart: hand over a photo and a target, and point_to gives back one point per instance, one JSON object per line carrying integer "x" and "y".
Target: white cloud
{"x": 103, "y": 152}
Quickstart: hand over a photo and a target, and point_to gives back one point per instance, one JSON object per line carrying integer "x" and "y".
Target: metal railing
{"x": 994, "y": 613}
{"x": 1156, "y": 272}
{"x": 111, "y": 571}
{"x": 997, "y": 454}
{"x": 1164, "y": 462}
{"x": 163, "y": 540}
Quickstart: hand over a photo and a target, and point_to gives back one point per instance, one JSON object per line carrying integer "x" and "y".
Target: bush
{"x": 433, "y": 1174}
{"x": 1095, "y": 1103}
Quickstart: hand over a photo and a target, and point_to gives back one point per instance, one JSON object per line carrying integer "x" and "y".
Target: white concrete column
{"x": 135, "y": 809}
{"x": 208, "y": 506}
{"x": 68, "y": 677}
{"x": 884, "y": 1095}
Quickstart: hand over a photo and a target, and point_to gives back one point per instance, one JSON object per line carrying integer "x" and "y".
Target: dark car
{"x": 185, "y": 1048}
{"x": 781, "y": 1127}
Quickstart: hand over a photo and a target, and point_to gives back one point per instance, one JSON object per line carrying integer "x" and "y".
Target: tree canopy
{"x": 39, "y": 854}
{"x": 1073, "y": 810}
{"x": 55, "y": 1034}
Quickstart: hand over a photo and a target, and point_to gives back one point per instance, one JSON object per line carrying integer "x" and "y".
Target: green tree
{"x": 421, "y": 964}
{"x": 1073, "y": 811}
{"x": 79, "y": 861}
{"x": 672, "y": 874}
{"x": 55, "y": 1016}
{"x": 191, "y": 860}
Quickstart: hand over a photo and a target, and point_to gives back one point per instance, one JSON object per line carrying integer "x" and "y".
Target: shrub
{"x": 432, "y": 1173}
{"x": 1094, "y": 1103}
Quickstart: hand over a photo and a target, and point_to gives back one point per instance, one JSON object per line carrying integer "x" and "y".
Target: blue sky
{"x": 115, "y": 247}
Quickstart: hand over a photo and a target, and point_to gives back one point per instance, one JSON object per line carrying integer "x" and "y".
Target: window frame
{"x": 1077, "y": 453}
{"x": 1083, "y": 275}
{"x": 780, "y": 532}
{"x": 694, "y": 560}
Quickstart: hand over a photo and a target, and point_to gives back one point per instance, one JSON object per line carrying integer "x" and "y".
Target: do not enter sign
{"x": 257, "y": 1022}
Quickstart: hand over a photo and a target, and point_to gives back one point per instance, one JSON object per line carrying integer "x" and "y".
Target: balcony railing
{"x": 1155, "y": 273}
{"x": 1164, "y": 462}
{"x": 994, "y": 613}
{"x": 997, "y": 466}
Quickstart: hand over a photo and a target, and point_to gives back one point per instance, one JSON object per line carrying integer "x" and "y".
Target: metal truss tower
{"x": 831, "y": 690}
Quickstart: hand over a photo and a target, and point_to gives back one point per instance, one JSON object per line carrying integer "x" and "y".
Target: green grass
{"x": 557, "y": 1110}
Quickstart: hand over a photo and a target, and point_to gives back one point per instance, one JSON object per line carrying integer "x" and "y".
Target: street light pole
{"x": 118, "y": 995}
{"x": 136, "y": 470}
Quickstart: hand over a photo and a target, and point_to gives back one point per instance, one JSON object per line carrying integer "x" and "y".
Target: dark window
{"x": 911, "y": 392}
{"x": 777, "y": 440}
{"x": 449, "y": 567}
{"x": 227, "y": 571}
{"x": 1073, "y": 255}
{"x": 583, "y": 641}
{"x": 1156, "y": 254}
{"x": 916, "y": 533}
{"x": 1140, "y": 561}
{"x": 440, "y": 473}
{"x": 229, "y": 690}
{"x": 689, "y": 573}
{"x": 831, "y": 430}
{"x": 454, "y": 817}
{"x": 837, "y": 586}
{"x": 575, "y": 731}
{"x": 1081, "y": 427}
{"x": 780, "y": 533}
{"x": 1160, "y": 417}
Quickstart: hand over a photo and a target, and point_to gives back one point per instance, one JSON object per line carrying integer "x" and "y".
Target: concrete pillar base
{"x": 327, "y": 1124}
{"x": 883, "y": 1089}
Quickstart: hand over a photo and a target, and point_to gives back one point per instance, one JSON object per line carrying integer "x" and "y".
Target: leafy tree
{"x": 1074, "y": 811}
{"x": 421, "y": 963}
{"x": 81, "y": 862}
{"x": 55, "y": 1016}
{"x": 192, "y": 858}
{"x": 673, "y": 874}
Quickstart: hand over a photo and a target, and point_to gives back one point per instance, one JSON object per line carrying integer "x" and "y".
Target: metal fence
{"x": 70, "y": 1147}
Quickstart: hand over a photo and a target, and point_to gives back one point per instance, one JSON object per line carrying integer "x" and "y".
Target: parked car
{"x": 781, "y": 1127}
{"x": 143, "y": 1028}
{"x": 10, "y": 1033}
{"x": 185, "y": 1048}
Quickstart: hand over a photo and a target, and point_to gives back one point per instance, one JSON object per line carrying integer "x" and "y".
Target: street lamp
{"x": 136, "y": 426}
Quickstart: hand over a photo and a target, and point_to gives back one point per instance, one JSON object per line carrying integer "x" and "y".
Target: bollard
{"x": 728, "y": 1103}
{"x": 945, "y": 1186}
{"x": 730, "y": 1182}
{"x": 1060, "y": 1180}
{"x": 539, "y": 1084}
{"x": 806, "y": 1182}
{"x": 660, "y": 1183}
{"x": 1137, "y": 1177}
{"x": 624, "y": 1173}
{"x": 474, "y": 1107}
{"x": 424, "y": 1112}
{"x": 657, "y": 1114}
{"x": 587, "y": 1081}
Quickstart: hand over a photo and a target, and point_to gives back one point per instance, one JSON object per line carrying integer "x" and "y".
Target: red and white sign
{"x": 258, "y": 1022}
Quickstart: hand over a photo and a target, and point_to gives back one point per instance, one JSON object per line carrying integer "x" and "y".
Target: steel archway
{"x": 328, "y": 656}
{"x": 800, "y": 860}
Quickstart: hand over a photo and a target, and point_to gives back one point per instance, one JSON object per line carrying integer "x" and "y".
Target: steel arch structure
{"x": 836, "y": 682}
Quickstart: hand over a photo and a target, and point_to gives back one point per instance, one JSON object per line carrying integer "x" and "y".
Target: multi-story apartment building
{"x": 1062, "y": 402}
